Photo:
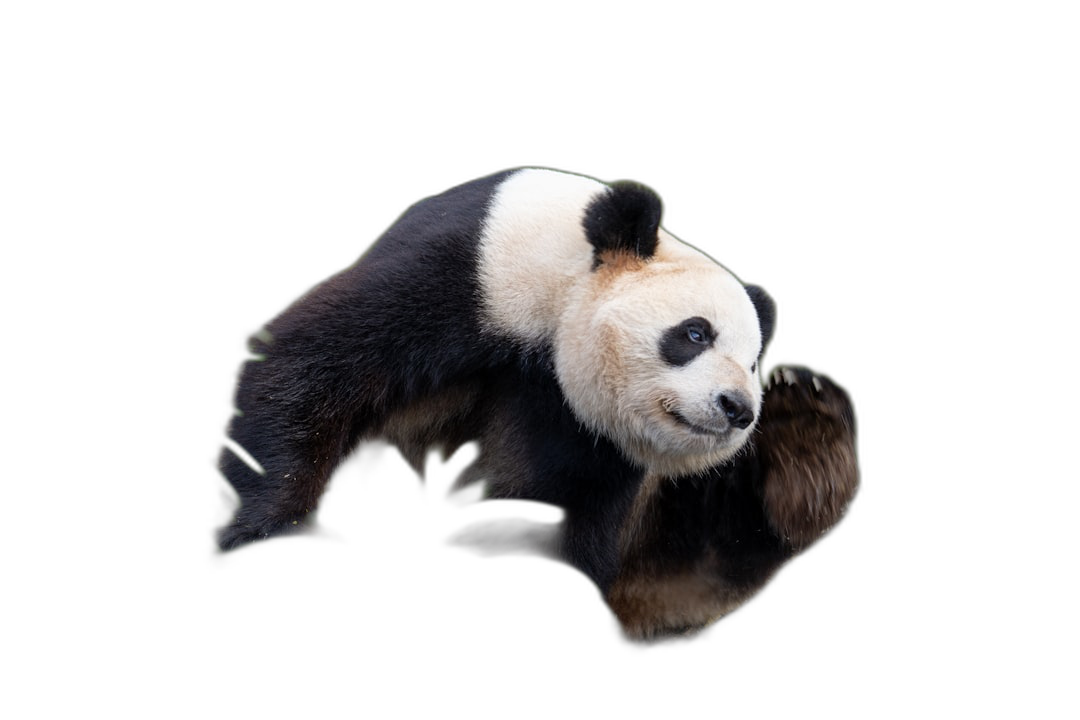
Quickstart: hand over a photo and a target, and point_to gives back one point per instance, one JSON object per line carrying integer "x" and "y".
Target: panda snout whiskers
{"x": 713, "y": 426}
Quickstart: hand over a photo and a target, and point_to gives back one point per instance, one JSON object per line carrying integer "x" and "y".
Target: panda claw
{"x": 793, "y": 376}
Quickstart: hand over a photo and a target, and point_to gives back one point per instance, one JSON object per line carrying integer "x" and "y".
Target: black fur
{"x": 626, "y": 219}
{"x": 719, "y": 511}
{"x": 679, "y": 344}
{"x": 766, "y": 312}
{"x": 534, "y": 448}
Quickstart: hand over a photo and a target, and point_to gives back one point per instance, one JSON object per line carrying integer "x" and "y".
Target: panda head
{"x": 660, "y": 348}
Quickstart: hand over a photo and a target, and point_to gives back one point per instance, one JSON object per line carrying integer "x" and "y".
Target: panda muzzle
{"x": 736, "y": 408}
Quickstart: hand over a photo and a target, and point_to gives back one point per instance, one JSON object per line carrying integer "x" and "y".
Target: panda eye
{"x": 683, "y": 342}
{"x": 698, "y": 331}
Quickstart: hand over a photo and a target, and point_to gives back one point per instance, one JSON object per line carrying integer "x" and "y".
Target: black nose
{"x": 737, "y": 409}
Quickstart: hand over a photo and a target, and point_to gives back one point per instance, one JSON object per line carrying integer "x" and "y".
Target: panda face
{"x": 697, "y": 350}
{"x": 655, "y": 345}
{"x": 662, "y": 357}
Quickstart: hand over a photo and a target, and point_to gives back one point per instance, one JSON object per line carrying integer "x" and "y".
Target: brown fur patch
{"x": 648, "y": 604}
{"x": 613, "y": 365}
{"x": 614, "y": 263}
{"x": 808, "y": 457}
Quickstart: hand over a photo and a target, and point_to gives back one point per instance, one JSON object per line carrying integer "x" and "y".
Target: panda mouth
{"x": 693, "y": 427}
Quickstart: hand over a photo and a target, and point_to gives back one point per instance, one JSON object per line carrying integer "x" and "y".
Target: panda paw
{"x": 806, "y": 446}
{"x": 795, "y": 390}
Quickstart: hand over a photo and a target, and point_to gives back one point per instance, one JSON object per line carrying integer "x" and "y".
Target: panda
{"x": 601, "y": 364}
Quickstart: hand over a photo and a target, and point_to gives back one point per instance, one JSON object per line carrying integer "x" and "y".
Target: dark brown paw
{"x": 806, "y": 442}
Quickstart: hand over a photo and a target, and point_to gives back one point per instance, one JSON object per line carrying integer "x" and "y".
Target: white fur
{"x": 536, "y": 268}
{"x": 533, "y": 248}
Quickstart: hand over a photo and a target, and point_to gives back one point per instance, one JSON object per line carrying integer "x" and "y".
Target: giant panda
{"x": 603, "y": 365}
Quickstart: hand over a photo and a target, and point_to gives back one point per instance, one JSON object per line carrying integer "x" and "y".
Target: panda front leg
{"x": 695, "y": 548}
{"x": 807, "y": 456}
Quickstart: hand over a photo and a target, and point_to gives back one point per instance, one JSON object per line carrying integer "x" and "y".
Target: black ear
{"x": 624, "y": 219}
{"x": 766, "y": 313}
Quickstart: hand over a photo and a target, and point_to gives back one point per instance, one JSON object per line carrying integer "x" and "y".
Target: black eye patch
{"x": 683, "y": 342}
